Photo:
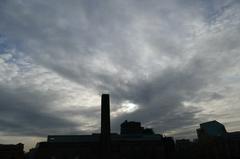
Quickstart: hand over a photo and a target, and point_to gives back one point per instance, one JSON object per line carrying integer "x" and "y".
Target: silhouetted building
{"x": 134, "y": 142}
{"x": 134, "y": 128}
{"x": 216, "y": 143}
{"x": 148, "y": 131}
{"x": 131, "y": 128}
{"x": 12, "y": 151}
{"x": 211, "y": 129}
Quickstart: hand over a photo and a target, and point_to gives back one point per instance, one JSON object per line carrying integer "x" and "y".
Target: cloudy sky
{"x": 169, "y": 64}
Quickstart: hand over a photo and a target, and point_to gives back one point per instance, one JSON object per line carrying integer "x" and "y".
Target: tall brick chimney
{"x": 105, "y": 115}
{"x": 105, "y": 127}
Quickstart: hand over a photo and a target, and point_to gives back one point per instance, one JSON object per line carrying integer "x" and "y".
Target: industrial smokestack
{"x": 105, "y": 127}
{"x": 105, "y": 115}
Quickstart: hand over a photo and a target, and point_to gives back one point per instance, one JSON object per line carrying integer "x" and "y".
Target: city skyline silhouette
{"x": 134, "y": 141}
{"x": 169, "y": 66}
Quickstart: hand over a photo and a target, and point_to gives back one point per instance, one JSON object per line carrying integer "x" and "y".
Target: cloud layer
{"x": 169, "y": 64}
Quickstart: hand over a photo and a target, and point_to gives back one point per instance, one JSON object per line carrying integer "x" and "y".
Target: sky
{"x": 168, "y": 64}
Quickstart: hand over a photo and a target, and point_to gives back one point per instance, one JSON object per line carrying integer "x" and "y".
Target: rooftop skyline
{"x": 169, "y": 64}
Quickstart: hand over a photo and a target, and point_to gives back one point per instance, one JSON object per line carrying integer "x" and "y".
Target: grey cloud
{"x": 153, "y": 54}
{"x": 26, "y": 112}
{"x": 161, "y": 98}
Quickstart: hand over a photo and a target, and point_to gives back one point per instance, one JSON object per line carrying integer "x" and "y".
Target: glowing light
{"x": 129, "y": 107}
{"x": 126, "y": 107}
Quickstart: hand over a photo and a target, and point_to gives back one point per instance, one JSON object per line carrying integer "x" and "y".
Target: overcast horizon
{"x": 170, "y": 65}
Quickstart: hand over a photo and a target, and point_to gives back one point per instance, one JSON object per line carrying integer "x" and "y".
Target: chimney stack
{"x": 105, "y": 115}
{"x": 105, "y": 127}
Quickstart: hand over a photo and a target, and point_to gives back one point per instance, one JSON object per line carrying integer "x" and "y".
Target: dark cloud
{"x": 26, "y": 112}
{"x": 161, "y": 98}
{"x": 156, "y": 54}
